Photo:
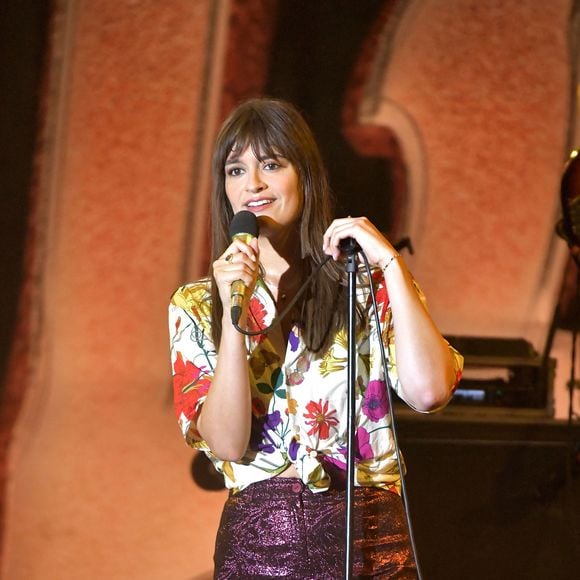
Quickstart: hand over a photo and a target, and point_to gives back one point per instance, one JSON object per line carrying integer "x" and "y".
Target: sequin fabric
{"x": 278, "y": 528}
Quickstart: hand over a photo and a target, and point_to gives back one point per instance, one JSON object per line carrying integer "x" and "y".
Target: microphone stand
{"x": 350, "y": 247}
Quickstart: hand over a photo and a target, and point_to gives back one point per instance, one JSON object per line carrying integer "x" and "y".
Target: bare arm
{"x": 225, "y": 418}
{"x": 425, "y": 363}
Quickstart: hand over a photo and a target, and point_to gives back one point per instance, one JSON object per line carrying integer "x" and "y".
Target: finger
{"x": 226, "y": 273}
{"x": 345, "y": 228}
{"x": 327, "y": 245}
{"x": 239, "y": 247}
{"x": 240, "y": 265}
{"x": 372, "y": 242}
{"x": 339, "y": 224}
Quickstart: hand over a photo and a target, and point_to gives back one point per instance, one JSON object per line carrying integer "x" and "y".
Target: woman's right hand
{"x": 225, "y": 418}
{"x": 240, "y": 261}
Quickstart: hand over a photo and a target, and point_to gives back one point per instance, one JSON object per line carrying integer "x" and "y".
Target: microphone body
{"x": 243, "y": 227}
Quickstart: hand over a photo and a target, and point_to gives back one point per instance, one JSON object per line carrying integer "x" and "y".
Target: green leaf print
{"x": 275, "y": 386}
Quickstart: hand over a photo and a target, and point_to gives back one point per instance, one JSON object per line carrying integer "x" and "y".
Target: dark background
{"x": 315, "y": 48}
{"x": 23, "y": 30}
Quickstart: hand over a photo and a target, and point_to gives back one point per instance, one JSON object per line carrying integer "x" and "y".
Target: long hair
{"x": 275, "y": 128}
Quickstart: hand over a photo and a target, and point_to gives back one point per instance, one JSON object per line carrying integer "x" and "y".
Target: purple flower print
{"x": 336, "y": 462}
{"x": 294, "y": 341}
{"x": 271, "y": 422}
{"x": 363, "y": 439}
{"x": 376, "y": 404}
{"x": 364, "y": 449}
{"x": 293, "y": 449}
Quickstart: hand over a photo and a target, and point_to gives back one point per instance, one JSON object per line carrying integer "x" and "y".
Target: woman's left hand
{"x": 377, "y": 248}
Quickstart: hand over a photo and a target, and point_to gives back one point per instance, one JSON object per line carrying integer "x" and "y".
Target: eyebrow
{"x": 233, "y": 159}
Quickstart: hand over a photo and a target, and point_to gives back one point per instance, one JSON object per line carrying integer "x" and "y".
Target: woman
{"x": 270, "y": 411}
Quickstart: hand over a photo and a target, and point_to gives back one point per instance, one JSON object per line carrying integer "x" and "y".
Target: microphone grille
{"x": 244, "y": 222}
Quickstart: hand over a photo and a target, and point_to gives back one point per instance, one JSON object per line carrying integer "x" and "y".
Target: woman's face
{"x": 268, "y": 187}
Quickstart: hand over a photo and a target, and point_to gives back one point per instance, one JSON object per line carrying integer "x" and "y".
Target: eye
{"x": 271, "y": 165}
{"x": 234, "y": 171}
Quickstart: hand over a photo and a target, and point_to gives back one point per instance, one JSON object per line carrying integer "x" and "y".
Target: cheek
{"x": 230, "y": 196}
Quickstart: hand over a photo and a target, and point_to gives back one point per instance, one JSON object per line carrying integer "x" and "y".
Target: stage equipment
{"x": 508, "y": 372}
{"x": 569, "y": 226}
{"x": 504, "y": 372}
{"x": 569, "y": 229}
{"x": 350, "y": 249}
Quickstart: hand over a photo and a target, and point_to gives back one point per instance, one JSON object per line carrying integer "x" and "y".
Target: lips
{"x": 257, "y": 204}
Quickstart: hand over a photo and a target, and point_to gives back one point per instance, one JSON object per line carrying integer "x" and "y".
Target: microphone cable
{"x": 290, "y": 305}
{"x": 392, "y": 411}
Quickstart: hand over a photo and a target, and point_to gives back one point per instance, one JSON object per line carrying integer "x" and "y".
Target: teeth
{"x": 259, "y": 203}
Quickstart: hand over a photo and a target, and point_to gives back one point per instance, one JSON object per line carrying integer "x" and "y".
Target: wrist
{"x": 384, "y": 265}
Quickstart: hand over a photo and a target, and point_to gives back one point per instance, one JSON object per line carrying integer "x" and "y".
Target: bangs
{"x": 267, "y": 137}
{"x": 261, "y": 147}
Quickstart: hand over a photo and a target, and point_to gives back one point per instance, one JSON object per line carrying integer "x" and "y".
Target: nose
{"x": 255, "y": 183}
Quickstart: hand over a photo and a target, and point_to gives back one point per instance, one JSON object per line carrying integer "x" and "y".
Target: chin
{"x": 267, "y": 223}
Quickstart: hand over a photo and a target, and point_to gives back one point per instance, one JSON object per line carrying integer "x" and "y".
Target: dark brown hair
{"x": 274, "y": 128}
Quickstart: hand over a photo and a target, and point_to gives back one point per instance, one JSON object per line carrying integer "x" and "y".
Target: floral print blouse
{"x": 299, "y": 404}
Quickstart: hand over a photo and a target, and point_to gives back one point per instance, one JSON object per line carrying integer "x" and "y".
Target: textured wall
{"x": 486, "y": 88}
{"x": 479, "y": 95}
{"x": 100, "y": 485}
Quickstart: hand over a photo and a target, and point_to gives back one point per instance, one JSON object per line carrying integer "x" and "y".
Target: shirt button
{"x": 296, "y": 487}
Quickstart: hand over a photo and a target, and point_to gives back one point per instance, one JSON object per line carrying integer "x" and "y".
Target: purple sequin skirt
{"x": 278, "y": 528}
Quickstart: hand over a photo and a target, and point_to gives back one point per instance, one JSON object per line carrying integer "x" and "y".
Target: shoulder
{"x": 192, "y": 296}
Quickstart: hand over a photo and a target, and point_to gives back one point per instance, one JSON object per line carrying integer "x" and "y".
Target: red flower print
{"x": 381, "y": 294}
{"x": 320, "y": 418}
{"x": 258, "y": 407}
{"x": 189, "y": 385}
{"x": 458, "y": 376}
{"x": 257, "y": 318}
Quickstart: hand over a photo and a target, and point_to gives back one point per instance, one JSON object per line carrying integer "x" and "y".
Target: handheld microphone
{"x": 243, "y": 227}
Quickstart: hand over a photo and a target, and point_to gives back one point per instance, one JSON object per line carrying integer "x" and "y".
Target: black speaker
{"x": 501, "y": 506}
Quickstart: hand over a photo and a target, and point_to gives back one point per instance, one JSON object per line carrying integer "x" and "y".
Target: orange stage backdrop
{"x": 478, "y": 95}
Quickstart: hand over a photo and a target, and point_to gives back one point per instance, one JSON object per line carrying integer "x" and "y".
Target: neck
{"x": 277, "y": 258}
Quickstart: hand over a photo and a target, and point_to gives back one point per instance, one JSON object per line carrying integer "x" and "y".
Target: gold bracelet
{"x": 392, "y": 258}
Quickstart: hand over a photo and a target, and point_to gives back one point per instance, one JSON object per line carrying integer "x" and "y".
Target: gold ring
{"x": 228, "y": 258}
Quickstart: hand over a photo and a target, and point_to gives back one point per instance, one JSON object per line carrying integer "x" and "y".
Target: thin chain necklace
{"x": 272, "y": 287}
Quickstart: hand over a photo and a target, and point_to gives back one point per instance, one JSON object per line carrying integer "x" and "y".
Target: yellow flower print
{"x": 228, "y": 470}
{"x": 260, "y": 360}
{"x": 292, "y": 406}
{"x": 331, "y": 364}
{"x": 366, "y": 360}
{"x": 195, "y": 299}
{"x": 342, "y": 339}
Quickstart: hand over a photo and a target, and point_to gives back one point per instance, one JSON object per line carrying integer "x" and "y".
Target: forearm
{"x": 225, "y": 418}
{"x": 425, "y": 365}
